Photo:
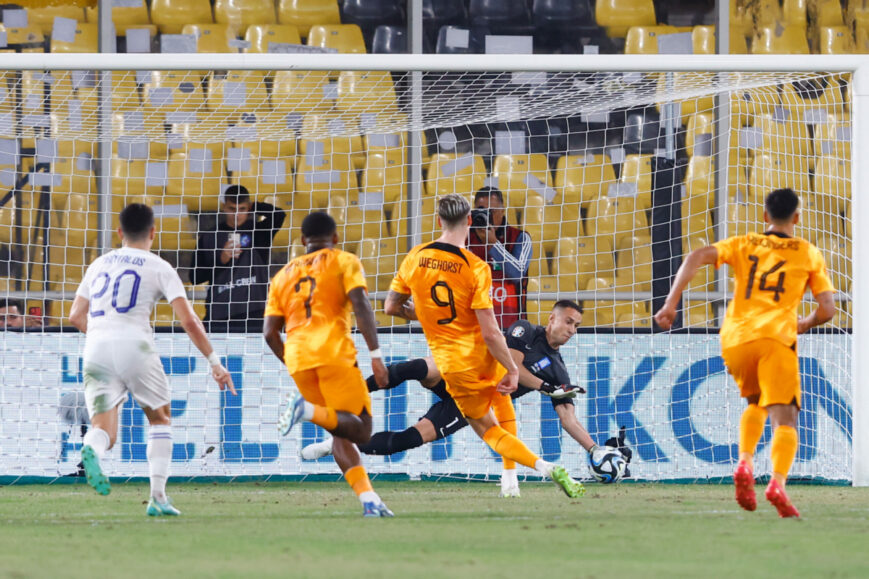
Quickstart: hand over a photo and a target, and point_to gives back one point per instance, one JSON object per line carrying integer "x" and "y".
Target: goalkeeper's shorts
{"x": 341, "y": 388}
{"x": 766, "y": 368}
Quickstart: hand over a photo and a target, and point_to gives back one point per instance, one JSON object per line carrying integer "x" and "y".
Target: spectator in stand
{"x": 506, "y": 249}
{"x": 11, "y": 314}
{"x": 234, "y": 259}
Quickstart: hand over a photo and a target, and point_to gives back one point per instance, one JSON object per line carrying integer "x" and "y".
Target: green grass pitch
{"x": 451, "y": 530}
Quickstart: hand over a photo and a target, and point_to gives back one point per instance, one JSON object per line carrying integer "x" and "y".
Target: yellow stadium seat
{"x": 771, "y": 171}
{"x": 836, "y": 40}
{"x": 837, "y": 256}
{"x": 42, "y": 18}
{"x": 302, "y": 92}
{"x": 602, "y": 311}
{"x": 123, "y": 16}
{"x": 378, "y": 258}
{"x": 613, "y": 218}
{"x": 741, "y": 20}
{"x": 765, "y": 12}
{"x": 784, "y": 133}
{"x": 171, "y": 92}
{"x": 579, "y": 180}
{"x": 318, "y": 179}
{"x": 345, "y": 38}
{"x": 634, "y": 271}
{"x": 364, "y": 222}
{"x": 814, "y": 221}
{"x": 262, "y": 177}
{"x": 324, "y": 134}
{"x": 451, "y": 173}
{"x": 746, "y": 104}
{"x": 792, "y": 40}
{"x": 171, "y": 16}
{"x": 306, "y": 13}
{"x": 700, "y": 184}
{"x": 524, "y": 174}
{"x": 135, "y": 136}
{"x": 362, "y": 92}
{"x": 66, "y": 263}
{"x": 385, "y": 175}
{"x": 175, "y": 231}
{"x": 857, "y": 13}
{"x": 638, "y": 169}
{"x": 244, "y": 13}
{"x": 826, "y": 13}
{"x": 700, "y": 127}
{"x": 213, "y": 38}
{"x": 698, "y": 315}
{"x": 617, "y": 16}
{"x": 738, "y": 43}
{"x": 236, "y": 94}
{"x": 744, "y": 218}
{"x": 644, "y": 39}
{"x": 703, "y": 39}
{"x": 794, "y": 13}
{"x": 195, "y": 173}
{"x": 260, "y": 35}
{"x": 86, "y": 40}
{"x": 138, "y": 177}
{"x": 833, "y": 182}
{"x": 634, "y": 320}
{"x": 27, "y": 39}
{"x": 270, "y": 133}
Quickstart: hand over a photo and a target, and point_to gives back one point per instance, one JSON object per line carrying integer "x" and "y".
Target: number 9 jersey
{"x": 771, "y": 273}
{"x": 447, "y": 284}
{"x": 122, "y": 287}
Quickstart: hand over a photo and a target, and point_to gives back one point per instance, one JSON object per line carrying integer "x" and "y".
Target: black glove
{"x": 561, "y": 390}
{"x": 619, "y": 443}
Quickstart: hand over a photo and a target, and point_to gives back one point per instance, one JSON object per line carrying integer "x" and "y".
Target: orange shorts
{"x": 337, "y": 387}
{"x": 765, "y": 368}
{"x": 474, "y": 391}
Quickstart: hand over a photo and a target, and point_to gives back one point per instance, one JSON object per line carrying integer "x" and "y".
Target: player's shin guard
{"x": 784, "y": 448}
{"x": 159, "y": 456}
{"x": 751, "y": 428}
{"x": 509, "y": 447}
{"x": 388, "y": 442}
{"x": 401, "y": 372}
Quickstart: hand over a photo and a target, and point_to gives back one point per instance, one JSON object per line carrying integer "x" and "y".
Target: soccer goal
{"x": 615, "y": 166}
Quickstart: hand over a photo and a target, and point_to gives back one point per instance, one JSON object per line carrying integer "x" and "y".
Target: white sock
{"x": 308, "y": 412}
{"x": 370, "y": 497}
{"x": 98, "y": 439}
{"x": 509, "y": 479}
{"x": 159, "y": 457}
{"x": 544, "y": 467}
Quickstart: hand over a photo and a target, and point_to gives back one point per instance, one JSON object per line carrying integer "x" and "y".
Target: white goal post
{"x": 478, "y": 90}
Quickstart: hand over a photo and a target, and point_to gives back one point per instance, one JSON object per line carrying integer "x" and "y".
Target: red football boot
{"x": 743, "y": 480}
{"x": 776, "y": 494}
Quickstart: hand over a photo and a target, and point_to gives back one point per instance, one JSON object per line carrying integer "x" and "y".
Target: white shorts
{"x": 114, "y": 368}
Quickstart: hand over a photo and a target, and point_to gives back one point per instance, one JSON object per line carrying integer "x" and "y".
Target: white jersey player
{"x": 113, "y": 307}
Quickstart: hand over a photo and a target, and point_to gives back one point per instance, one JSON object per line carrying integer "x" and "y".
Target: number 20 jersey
{"x": 771, "y": 273}
{"x": 122, "y": 287}
{"x": 310, "y": 293}
{"x": 447, "y": 284}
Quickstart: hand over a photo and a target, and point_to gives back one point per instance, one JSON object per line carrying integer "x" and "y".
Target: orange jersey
{"x": 310, "y": 293}
{"x": 447, "y": 284}
{"x": 771, "y": 274}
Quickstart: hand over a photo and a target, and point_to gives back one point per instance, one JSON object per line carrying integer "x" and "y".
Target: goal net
{"x": 613, "y": 175}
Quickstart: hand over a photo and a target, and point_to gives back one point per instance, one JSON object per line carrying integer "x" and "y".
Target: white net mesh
{"x": 613, "y": 176}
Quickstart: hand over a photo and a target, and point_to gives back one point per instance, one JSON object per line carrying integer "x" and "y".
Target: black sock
{"x": 388, "y": 442}
{"x": 401, "y": 372}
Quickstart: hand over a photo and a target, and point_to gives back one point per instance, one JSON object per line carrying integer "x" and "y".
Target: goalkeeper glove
{"x": 561, "y": 390}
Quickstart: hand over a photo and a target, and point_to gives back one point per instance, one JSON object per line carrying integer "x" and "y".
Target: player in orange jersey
{"x": 310, "y": 298}
{"x": 451, "y": 291}
{"x": 759, "y": 334}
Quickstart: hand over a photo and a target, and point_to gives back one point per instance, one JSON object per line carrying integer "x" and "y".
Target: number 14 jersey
{"x": 310, "y": 293}
{"x": 771, "y": 273}
{"x": 447, "y": 284}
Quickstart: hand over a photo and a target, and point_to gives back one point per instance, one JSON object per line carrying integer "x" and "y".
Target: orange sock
{"x": 358, "y": 480}
{"x": 325, "y": 417}
{"x": 751, "y": 428}
{"x": 506, "y": 415}
{"x": 784, "y": 448}
{"x": 508, "y": 446}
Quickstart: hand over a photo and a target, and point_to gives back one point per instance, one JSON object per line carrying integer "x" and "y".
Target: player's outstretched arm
{"x": 194, "y": 328}
{"x": 695, "y": 260}
{"x": 78, "y": 314}
{"x": 399, "y": 305}
{"x": 498, "y": 347}
{"x": 368, "y": 328}
{"x": 821, "y": 315}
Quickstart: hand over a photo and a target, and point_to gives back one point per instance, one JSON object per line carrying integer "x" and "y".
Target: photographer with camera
{"x": 506, "y": 249}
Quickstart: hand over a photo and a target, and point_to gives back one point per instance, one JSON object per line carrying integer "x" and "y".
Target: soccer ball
{"x": 607, "y": 465}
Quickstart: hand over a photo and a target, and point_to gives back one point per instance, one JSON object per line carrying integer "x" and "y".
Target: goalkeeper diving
{"x": 541, "y": 368}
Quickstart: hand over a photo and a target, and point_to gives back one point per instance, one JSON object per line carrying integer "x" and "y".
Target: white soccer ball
{"x": 607, "y": 465}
